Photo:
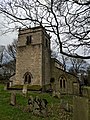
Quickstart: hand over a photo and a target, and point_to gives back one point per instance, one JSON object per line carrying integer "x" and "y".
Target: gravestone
{"x": 86, "y": 92}
{"x": 36, "y": 106}
{"x": 53, "y": 94}
{"x": 24, "y": 91}
{"x": 80, "y": 108}
{"x": 53, "y": 86}
{"x": 64, "y": 105}
{"x": 40, "y": 107}
{"x": 56, "y": 94}
{"x": 75, "y": 88}
{"x": 13, "y": 99}
{"x": 43, "y": 107}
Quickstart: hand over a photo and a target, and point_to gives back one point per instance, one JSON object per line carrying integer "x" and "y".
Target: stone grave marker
{"x": 56, "y": 94}
{"x": 64, "y": 105}
{"x": 43, "y": 107}
{"x": 13, "y": 99}
{"x": 75, "y": 88}
{"x": 24, "y": 91}
{"x": 40, "y": 107}
{"x": 53, "y": 94}
{"x": 36, "y": 106}
{"x": 80, "y": 108}
{"x": 86, "y": 92}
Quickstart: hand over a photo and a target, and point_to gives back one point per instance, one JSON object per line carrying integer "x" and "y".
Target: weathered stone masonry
{"x": 34, "y": 65}
{"x": 33, "y": 58}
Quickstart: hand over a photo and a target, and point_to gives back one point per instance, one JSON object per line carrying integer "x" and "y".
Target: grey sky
{"x": 8, "y": 38}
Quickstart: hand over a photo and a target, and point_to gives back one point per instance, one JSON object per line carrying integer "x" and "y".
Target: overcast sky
{"x": 8, "y": 38}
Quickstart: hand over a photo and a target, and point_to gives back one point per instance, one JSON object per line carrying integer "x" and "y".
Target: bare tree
{"x": 88, "y": 74}
{"x": 78, "y": 66}
{"x": 64, "y": 60}
{"x": 2, "y": 48}
{"x": 68, "y": 21}
{"x": 11, "y": 50}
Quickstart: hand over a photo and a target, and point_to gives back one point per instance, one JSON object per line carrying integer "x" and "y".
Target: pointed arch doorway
{"x": 27, "y": 78}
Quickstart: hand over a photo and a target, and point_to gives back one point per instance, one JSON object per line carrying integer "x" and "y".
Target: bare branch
{"x": 66, "y": 20}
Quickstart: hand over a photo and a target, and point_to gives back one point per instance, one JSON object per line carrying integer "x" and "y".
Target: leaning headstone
{"x": 13, "y": 99}
{"x": 80, "y": 108}
{"x": 43, "y": 107}
{"x": 24, "y": 91}
{"x": 30, "y": 103}
{"x": 64, "y": 105}
{"x": 53, "y": 94}
{"x": 53, "y": 86}
{"x": 86, "y": 92}
{"x": 56, "y": 94}
{"x": 36, "y": 106}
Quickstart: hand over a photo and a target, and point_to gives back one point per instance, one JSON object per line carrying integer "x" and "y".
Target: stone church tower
{"x": 33, "y": 57}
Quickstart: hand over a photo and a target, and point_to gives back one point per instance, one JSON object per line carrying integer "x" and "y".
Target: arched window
{"x": 29, "y": 40}
{"x": 62, "y": 82}
{"x": 27, "y": 78}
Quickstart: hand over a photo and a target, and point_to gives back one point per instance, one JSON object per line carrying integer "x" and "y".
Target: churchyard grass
{"x": 20, "y": 111}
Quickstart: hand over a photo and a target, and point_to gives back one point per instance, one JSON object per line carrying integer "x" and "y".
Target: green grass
{"x": 29, "y": 87}
{"x": 19, "y": 112}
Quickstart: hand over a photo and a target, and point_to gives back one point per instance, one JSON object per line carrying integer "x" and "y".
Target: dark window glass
{"x": 25, "y": 79}
{"x": 29, "y": 40}
{"x": 60, "y": 83}
{"x": 64, "y": 83}
{"x": 29, "y": 79}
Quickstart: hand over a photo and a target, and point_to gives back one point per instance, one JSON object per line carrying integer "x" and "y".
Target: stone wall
{"x": 46, "y": 67}
{"x": 29, "y": 61}
{"x": 69, "y": 80}
{"x": 33, "y": 58}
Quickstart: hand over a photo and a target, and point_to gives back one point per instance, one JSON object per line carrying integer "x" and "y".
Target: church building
{"x": 34, "y": 65}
